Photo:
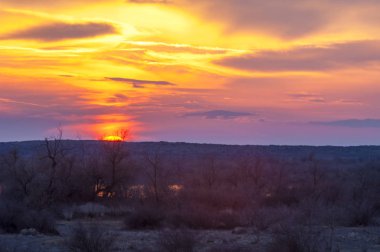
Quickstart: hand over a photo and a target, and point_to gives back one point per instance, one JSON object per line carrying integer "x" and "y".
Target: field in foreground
{"x": 244, "y": 239}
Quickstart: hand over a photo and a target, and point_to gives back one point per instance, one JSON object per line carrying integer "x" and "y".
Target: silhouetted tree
{"x": 155, "y": 172}
{"x": 114, "y": 155}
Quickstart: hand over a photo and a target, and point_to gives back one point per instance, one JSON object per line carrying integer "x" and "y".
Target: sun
{"x": 113, "y": 138}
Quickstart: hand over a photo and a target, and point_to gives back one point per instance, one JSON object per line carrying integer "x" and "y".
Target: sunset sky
{"x": 210, "y": 71}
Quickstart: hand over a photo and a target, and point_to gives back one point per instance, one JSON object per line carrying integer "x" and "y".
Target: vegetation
{"x": 90, "y": 239}
{"x": 299, "y": 194}
{"x": 179, "y": 240}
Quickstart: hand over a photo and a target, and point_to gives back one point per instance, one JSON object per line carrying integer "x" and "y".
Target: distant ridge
{"x": 222, "y": 150}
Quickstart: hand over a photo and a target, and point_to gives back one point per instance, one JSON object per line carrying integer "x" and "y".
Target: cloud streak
{"x": 150, "y": 1}
{"x": 140, "y": 83}
{"x": 312, "y": 58}
{"x": 306, "y": 97}
{"x": 62, "y": 31}
{"x": 218, "y": 114}
{"x": 352, "y": 123}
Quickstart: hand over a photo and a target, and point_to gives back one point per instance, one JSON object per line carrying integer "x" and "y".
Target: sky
{"x": 282, "y": 72}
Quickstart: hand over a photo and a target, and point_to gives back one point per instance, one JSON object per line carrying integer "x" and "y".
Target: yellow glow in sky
{"x": 155, "y": 67}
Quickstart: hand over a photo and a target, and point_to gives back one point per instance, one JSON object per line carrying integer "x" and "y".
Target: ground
{"x": 348, "y": 239}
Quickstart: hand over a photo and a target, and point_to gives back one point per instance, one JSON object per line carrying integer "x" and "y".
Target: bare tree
{"x": 54, "y": 152}
{"x": 251, "y": 169}
{"x": 315, "y": 170}
{"x": 17, "y": 174}
{"x": 155, "y": 172}
{"x": 114, "y": 153}
{"x": 54, "y": 148}
{"x": 209, "y": 170}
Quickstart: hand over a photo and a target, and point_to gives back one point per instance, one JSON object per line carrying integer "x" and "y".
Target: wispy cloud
{"x": 61, "y": 31}
{"x": 178, "y": 48}
{"x": 311, "y": 58}
{"x": 150, "y": 1}
{"x": 352, "y": 123}
{"x": 306, "y": 97}
{"x": 6, "y": 100}
{"x": 140, "y": 83}
{"x": 219, "y": 114}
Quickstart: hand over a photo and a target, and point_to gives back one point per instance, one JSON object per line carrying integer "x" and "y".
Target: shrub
{"x": 196, "y": 218}
{"x": 145, "y": 218}
{"x": 200, "y": 217}
{"x": 218, "y": 198}
{"x": 180, "y": 240}
{"x": 90, "y": 210}
{"x": 67, "y": 213}
{"x": 361, "y": 214}
{"x": 14, "y": 217}
{"x": 89, "y": 239}
{"x": 263, "y": 218}
{"x": 293, "y": 238}
{"x": 43, "y": 221}
{"x": 205, "y": 218}
{"x": 229, "y": 248}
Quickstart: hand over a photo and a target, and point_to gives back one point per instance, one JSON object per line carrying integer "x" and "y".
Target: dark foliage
{"x": 145, "y": 218}
{"x": 15, "y": 217}
{"x": 229, "y": 248}
{"x": 184, "y": 185}
{"x": 180, "y": 240}
{"x": 290, "y": 237}
{"x": 90, "y": 239}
